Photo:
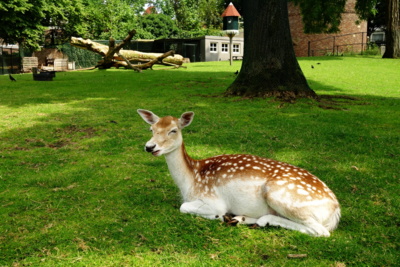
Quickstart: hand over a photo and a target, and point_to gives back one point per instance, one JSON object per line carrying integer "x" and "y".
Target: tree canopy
{"x": 24, "y": 21}
{"x": 19, "y": 21}
{"x": 157, "y": 26}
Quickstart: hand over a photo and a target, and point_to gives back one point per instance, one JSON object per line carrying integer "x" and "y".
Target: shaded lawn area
{"x": 77, "y": 188}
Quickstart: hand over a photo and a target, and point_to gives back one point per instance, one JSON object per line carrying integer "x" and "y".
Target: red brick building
{"x": 351, "y": 38}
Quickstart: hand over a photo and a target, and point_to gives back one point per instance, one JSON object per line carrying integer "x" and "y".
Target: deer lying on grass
{"x": 257, "y": 190}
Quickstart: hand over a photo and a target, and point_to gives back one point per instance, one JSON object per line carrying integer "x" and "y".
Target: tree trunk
{"x": 115, "y": 56}
{"x": 270, "y": 67}
{"x": 393, "y": 30}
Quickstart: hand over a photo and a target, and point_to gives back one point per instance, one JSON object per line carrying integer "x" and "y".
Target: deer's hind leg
{"x": 311, "y": 228}
{"x": 202, "y": 208}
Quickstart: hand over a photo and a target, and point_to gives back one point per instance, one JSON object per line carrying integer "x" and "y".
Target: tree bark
{"x": 393, "y": 30}
{"x": 270, "y": 67}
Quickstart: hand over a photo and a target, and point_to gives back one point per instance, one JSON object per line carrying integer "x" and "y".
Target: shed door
{"x": 189, "y": 51}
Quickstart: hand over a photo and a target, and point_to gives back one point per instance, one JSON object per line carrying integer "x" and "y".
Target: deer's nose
{"x": 150, "y": 148}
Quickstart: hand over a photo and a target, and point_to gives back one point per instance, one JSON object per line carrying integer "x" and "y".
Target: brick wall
{"x": 351, "y": 38}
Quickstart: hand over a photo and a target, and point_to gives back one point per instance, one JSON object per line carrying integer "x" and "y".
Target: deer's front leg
{"x": 203, "y": 209}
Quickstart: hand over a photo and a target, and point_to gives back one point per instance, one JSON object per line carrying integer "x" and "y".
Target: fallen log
{"x": 114, "y": 56}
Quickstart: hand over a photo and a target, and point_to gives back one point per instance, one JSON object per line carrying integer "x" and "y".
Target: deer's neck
{"x": 181, "y": 167}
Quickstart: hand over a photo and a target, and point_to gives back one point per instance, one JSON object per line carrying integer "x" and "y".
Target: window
{"x": 213, "y": 47}
{"x": 236, "y": 48}
{"x": 224, "y": 48}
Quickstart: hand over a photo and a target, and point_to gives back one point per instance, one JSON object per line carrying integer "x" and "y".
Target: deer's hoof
{"x": 233, "y": 222}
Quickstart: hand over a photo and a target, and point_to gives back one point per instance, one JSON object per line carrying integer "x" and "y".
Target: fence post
{"x": 333, "y": 48}
{"x": 309, "y": 47}
{"x": 12, "y": 63}
{"x": 362, "y": 42}
{"x": 2, "y": 60}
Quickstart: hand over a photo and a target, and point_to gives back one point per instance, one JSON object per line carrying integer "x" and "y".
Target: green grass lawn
{"x": 77, "y": 188}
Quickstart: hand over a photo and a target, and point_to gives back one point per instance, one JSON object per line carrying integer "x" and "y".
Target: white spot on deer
{"x": 302, "y": 192}
{"x": 282, "y": 182}
{"x": 290, "y": 186}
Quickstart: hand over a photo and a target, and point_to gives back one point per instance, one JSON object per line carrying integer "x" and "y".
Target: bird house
{"x": 230, "y": 18}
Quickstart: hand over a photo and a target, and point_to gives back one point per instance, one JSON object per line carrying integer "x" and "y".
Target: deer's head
{"x": 167, "y": 135}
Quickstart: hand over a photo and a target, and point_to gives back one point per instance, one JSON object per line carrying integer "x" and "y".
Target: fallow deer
{"x": 257, "y": 190}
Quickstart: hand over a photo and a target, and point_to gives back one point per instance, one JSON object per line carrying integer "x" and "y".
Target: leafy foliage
{"x": 24, "y": 21}
{"x": 111, "y": 18}
{"x": 367, "y": 8}
{"x": 193, "y": 15}
{"x": 321, "y": 16}
{"x": 158, "y": 26}
{"x": 82, "y": 58}
{"x": 378, "y": 18}
{"x": 20, "y": 21}
{"x": 66, "y": 17}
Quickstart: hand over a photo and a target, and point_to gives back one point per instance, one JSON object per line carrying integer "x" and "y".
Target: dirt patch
{"x": 63, "y": 137}
{"x": 337, "y": 102}
{"x": 83, "y": 132}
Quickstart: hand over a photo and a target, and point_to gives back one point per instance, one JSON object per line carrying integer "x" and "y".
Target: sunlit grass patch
{"x": 77, "y": 188}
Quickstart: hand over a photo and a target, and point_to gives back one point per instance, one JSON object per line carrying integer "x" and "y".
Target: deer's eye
{"x": 174, "y": 131}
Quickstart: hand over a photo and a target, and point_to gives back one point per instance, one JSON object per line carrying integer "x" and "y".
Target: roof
{"x": 230, "y": 11}
{"x": 150, "y": 10}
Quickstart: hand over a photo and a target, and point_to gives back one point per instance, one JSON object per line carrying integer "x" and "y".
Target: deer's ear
{"x": 148, "y": 116}
{"x": 186, "y": 119}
